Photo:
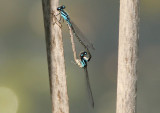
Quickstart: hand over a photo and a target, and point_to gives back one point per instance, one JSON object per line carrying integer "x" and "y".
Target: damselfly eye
{"x": 85, "y": 53}
{"x": 58, "y": 8}
{"x": 63, "y": 7}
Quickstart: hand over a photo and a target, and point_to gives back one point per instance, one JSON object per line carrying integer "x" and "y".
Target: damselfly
{"x": 81, "y": 38}
{"x": 83, "y": 64}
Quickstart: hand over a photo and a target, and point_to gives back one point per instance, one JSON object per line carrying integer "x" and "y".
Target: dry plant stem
{"x": 55, "y": 56}
{"x": 127, "y": 56}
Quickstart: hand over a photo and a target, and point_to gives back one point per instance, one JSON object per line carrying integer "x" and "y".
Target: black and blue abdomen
{"x": 83, "y": 63}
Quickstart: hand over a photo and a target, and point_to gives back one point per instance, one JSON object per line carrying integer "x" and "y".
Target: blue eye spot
{"x": 63, "y": 7}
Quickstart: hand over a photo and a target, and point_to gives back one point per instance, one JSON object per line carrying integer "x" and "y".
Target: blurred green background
{"x": 24, "y": 83}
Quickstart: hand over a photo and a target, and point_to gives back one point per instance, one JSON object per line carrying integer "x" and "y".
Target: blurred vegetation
{"x": 23, "y": 61}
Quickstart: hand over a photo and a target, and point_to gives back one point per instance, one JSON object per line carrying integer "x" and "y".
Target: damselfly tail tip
{"x": 93, "y": 47}
{"x": 93, "y": 105}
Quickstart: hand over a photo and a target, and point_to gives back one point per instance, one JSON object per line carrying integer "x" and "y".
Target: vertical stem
{"x": 127, "y": 56}
{"x": 55, "y": 56}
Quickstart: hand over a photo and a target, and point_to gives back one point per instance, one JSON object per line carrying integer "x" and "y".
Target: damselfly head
{"x": 82, "y": 54}
{"x": 61, "y": 7}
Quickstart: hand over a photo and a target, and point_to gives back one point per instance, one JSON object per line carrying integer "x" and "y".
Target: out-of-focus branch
{"x": 55, "y": 56}
{"x": 127, "y": 56}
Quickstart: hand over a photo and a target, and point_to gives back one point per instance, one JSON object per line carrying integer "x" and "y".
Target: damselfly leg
{"x": 56, "y": 21}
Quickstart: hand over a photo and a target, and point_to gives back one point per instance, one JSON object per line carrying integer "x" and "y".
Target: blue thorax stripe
{"x": 64, "y": 13}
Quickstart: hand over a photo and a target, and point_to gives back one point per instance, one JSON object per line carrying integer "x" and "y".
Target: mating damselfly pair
{"x": 82, "y": 61}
